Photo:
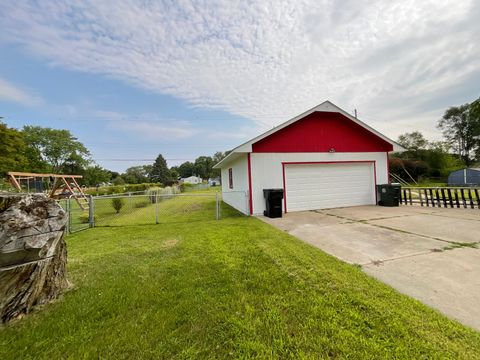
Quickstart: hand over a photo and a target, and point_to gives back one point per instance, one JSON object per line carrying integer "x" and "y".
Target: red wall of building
{"x": 320, "y": 132}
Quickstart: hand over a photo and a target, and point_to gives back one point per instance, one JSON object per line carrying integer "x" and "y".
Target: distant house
{"x": 214, "y": 181}
{"x": 192, "y": 180}
{"x": 464, "y": 177}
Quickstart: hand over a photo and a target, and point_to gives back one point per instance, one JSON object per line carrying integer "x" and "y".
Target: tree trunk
{"x": 33, "y": 253}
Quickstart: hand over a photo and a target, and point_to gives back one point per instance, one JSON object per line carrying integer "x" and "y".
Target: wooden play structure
{"x": 60, "y": 186}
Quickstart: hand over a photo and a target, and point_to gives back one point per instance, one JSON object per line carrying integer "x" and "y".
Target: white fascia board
{"x": 326, "y": 106}
{"x": 229, "y": 158}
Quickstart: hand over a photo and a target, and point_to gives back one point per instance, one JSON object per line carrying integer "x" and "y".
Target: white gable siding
{"x": 238, "y": 196}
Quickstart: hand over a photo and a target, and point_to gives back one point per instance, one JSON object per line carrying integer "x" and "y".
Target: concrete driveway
{"x": 430, "y": 254}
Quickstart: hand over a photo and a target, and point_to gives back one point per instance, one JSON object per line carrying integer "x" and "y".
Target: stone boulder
{"x": 33, "y": 253}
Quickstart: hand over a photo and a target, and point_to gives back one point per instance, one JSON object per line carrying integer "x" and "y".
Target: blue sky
{"x": 116, "y": 121}
{"x": 132, "y": 79}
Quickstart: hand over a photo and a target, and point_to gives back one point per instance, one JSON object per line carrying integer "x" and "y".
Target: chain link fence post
{"x": 156, "y": 207}
{"x": 217, "y": 212}
{"x": 91, "y": 211}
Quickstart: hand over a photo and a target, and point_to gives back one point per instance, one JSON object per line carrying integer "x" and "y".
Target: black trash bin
{"x": 388, "y": 194}
{"x": 273, "y": 202}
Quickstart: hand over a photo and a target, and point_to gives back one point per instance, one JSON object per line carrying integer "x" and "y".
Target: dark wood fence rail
{"x": 447, "y": 197}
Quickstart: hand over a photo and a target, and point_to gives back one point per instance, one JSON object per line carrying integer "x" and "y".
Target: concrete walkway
{"x": 430, "y": 254}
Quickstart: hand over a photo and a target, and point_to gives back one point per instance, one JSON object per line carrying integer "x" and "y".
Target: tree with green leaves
{"x": 423, "y": 159}
{"x": 159, "y": 171}
{"x": 217, "y": 157}
{"x": 475, "y": 115}
{"x": 56, "y": 150}
{"x": 186, "y": 169}
{"x": 136, "y": 175}
{"x": 203, "y": 167}
{"x": 95, "y": 175}
{"x": 174, "y": 173}
{"x": 440, "y": 160}
{"x": 413, "y": 141}
{"x": 12, "y": 150}
{"x": 461, "y": 128}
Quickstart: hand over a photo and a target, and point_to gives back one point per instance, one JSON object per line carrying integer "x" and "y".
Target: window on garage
{"x": 230, "y": 178}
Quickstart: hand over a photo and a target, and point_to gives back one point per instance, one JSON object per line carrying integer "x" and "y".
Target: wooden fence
{"x": 447, "y": 197}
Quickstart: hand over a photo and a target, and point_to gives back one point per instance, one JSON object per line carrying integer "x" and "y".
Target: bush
{"x": 117, "y": 204}
{"x": 142, "y": 204}
{"x": 115, "y": 189}
{"x": 6, "y": 186}
{"x": 120, "y": 189}
{"x": 85, "y": 218}
{"x": 406, "y": 168}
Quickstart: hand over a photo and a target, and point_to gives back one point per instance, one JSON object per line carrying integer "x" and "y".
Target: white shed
{"x": 323, "y": 158}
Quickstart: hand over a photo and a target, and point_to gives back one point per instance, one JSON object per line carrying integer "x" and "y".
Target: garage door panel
{"x": 319, "y": 186}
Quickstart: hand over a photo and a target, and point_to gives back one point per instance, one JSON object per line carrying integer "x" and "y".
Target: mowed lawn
{"x": 142, "y": 209}
{"x": 234, "y": 288}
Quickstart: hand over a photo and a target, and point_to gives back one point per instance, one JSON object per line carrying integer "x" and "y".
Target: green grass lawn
{"x": 197, "y": 205}
{"x": 235, "y": 288}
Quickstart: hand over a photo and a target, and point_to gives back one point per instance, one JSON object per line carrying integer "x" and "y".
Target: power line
{"x": 184, "y": 159}
{"x": 179, "y": 146}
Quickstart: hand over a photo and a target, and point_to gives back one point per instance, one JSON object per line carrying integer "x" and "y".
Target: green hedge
{"x": 119, "y": 189}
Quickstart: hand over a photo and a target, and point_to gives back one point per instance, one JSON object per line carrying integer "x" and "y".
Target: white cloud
{"x": 12, "y": 93}
{"x": 267, "y": 60}
{"x": 153, "y": 130}
{"x": 149, "y": 126}
{"x": 242, "y": 134}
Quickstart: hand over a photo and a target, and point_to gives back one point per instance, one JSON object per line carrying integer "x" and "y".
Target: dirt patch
{"x": 192, "y": 207}
{"x": 170, "y": 243}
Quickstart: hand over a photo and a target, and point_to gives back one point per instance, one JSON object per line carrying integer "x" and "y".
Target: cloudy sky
{"x": 132, "y": 79}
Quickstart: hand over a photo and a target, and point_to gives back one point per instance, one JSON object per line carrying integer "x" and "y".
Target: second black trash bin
{"x": 273, "y": 202}
{"x": 388, "y": 194}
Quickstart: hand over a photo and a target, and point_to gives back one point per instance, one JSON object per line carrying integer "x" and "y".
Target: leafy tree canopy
{"x": 137, "y": 174}
{"x": 461, "y": 128}
{"x": 95, "y": 175}
{"x": 203, "y": 167}
{"x": 413, "y": 141}
{"x": 186, "y": 169}
{"x": 12, "y": 150}
{"x": 58, "y": 150}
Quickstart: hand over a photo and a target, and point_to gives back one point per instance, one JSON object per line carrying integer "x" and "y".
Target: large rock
{"x": 33, "y": 253}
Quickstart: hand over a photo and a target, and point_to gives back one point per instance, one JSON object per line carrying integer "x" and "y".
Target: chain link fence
{"x": 78, "y": 218}
{"x": 147, "y": 208}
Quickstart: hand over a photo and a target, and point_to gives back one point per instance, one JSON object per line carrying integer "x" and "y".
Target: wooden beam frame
{"x": 59, "y": 179}
{"x": 14, "y": 173}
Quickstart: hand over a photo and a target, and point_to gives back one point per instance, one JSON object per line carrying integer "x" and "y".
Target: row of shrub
{"x": 191, "y": 187}
{"x": 120, "y": 189}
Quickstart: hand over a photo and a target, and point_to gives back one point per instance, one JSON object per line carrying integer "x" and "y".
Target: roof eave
{"x": 326, "y": 106}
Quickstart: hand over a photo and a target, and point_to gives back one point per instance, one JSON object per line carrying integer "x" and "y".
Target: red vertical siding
{"x": 322, "y": 132}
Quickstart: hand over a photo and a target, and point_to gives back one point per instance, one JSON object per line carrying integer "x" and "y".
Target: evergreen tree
{"x": 159, "y": 171}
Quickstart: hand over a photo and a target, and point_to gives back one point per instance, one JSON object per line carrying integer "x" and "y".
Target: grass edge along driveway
{"x": 235, "y": 288}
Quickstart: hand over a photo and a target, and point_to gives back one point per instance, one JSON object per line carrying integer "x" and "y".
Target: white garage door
{"x": 323, "y": 186}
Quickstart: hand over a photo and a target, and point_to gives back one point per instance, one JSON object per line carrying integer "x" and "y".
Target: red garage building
{"x": 323, "y": 158}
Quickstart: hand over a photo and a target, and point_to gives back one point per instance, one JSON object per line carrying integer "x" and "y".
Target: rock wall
{"x": 33, "y": 253}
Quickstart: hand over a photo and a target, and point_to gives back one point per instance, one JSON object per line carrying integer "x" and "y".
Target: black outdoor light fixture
{"x": 332, "y": 150}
